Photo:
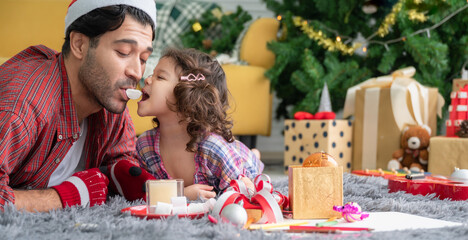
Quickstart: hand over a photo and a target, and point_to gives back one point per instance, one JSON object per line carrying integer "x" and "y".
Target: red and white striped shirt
{"x": 38, "y": 123}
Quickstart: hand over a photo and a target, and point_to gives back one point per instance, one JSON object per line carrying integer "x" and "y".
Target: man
{"x": 63, "y": 115}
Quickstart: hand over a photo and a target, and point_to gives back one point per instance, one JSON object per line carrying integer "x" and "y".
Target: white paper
{"x": 394, "y": 221}
{"x": 381, "y": 221}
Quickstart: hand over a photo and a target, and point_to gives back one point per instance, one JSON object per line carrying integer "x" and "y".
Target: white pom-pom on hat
{"x": 78, "y": 8}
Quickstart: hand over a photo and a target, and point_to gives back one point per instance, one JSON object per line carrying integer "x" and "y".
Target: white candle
{"x": 163, "y": 191}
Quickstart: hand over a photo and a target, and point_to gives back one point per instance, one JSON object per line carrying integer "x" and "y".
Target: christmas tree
{"x": 215, "y": 32}
{"x": 344, "y": 42}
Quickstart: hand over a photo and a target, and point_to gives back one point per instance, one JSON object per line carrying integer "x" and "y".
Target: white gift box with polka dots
{"x": 304, "y": 137}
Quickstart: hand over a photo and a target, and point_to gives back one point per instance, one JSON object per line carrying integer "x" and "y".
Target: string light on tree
{"x": 282, "y": 32}
{"x": 361, "y": 45}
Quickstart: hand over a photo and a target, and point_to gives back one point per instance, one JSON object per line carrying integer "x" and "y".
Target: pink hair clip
{"x": 192, "y": 77}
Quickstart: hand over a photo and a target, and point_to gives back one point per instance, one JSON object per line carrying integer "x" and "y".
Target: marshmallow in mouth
{"x": 133, "y": 93}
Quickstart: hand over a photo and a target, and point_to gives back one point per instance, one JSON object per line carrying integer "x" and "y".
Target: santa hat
{"x": 78, "y": 8}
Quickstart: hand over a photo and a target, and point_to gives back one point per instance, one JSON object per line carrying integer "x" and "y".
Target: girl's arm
{"x": 196, "y": 191}
{"x": 227, "y": 161}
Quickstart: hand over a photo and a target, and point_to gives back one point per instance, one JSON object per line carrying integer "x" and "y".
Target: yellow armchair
{"x": 251, "y": 102}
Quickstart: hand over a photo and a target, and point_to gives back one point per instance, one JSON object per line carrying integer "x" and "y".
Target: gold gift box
{"x": 313, "y": 191}
{"x": 446, "y": 153}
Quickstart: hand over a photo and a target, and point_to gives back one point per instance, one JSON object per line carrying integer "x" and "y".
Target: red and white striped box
{"x": 462, "y": 111}
{"x": 458, "y": 111}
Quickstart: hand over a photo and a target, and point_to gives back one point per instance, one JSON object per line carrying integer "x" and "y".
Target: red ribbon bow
{"x": 414, "y": 152}
{"x": 264, "y": 197}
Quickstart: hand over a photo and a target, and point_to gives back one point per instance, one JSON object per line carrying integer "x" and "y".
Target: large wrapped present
{"x": 304, "y": 137}
{"x": 446, "y": 154}
{"x": 313, "y": 191}
{"x": 382, "y": 107}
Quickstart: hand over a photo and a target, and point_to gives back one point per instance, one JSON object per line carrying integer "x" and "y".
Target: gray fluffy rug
{"x": 106, "y": 222}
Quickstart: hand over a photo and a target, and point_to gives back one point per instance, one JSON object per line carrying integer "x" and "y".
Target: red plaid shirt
{"x": 38, "y": 123}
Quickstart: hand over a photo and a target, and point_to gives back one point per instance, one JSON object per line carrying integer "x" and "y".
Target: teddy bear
{"x": 413, "y": 153}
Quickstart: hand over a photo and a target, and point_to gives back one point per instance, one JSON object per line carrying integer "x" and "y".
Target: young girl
{"x": 193, "y": 140}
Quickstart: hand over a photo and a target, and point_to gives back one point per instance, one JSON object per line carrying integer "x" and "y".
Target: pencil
{"x": 311, "y": 228}
{"x": 318, "y": 230}
{"x": 277, "y": 225}
{"x": 327, "y": 223}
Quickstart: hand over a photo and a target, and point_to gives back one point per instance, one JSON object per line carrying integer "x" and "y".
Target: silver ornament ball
{"x": 459, "y": 174}
{"x": 235, "y": 214}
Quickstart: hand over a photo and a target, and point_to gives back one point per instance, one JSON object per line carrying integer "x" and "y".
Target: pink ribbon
{"x": 351, "y": 212}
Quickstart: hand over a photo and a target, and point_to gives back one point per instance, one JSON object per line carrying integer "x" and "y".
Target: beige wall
{"x": 20, "y": 28}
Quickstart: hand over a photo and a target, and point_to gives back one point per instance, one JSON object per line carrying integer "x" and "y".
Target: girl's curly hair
{"x": 202, "y": 104}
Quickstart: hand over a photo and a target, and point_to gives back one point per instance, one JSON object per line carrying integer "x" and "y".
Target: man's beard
{"x": 96, "y": 80}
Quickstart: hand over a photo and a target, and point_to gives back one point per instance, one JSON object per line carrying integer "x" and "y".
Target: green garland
{"x": 216, "y": 32}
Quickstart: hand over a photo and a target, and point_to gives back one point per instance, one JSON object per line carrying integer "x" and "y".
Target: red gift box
{"x": 458, "y": 111}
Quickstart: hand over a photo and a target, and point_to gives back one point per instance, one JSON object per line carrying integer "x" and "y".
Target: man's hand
{"x": 195, "y": 191}
{"x": 42, "y": 200}
{"x": 83, "y": 188}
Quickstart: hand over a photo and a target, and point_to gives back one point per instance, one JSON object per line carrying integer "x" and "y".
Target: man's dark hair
{"x": 99, "y": 21}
